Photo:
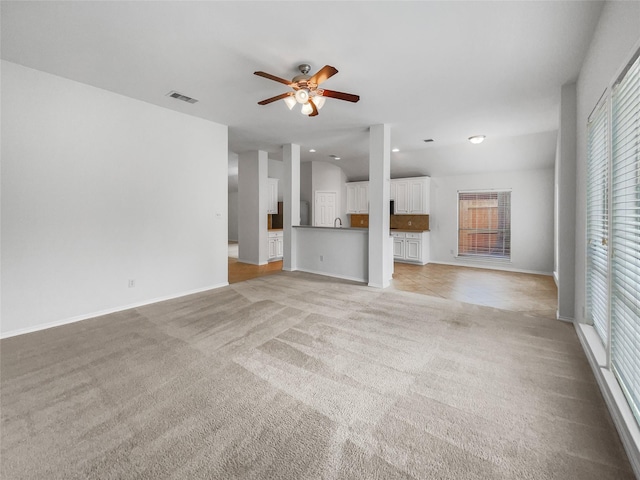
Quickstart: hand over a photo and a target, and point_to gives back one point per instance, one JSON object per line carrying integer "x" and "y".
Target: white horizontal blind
{"x": 484, "y": 224}
{"x": 625, "y": 277}
{"x": 598, "y": 222}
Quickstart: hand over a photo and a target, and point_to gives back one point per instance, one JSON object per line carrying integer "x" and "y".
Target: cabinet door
{"x": 419, "y": 196}
{"x": 415, "y": 197}
{"x": 413, "y": 250}
{"x": 363, "y": 198}
{"x": 398, "y": 248}
{"x": 392, "y": 190}
{"x": 280, "y": 247}
{"x": 352, "y": 198}
{"x": 402, "y": 197}
{"x": 272, "y": 205}
{"x": 272, "y": 248}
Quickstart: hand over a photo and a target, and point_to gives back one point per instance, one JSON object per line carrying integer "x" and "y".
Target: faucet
{"x": 338, "y": 219}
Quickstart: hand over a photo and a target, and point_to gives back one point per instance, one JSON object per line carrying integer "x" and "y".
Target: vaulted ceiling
{"x": 440, "y": 70}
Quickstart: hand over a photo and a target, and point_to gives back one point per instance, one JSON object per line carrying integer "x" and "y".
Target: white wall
{"x": 252, "y": 207}
{"x": 97, "y": 189}
{"x": 276, "y": 170}
{"x": 233, "y": 216}
{"x": 615, "y": 38}
{"x": 565, "y": 207}
{"x": 326, "y": 177}
{"x": 531, "y": 218}
{"x": 306, "y": 190}
{"x": 341, "y": 253}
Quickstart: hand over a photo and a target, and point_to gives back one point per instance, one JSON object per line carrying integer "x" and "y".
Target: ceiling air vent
{"x": 179, "y": 96}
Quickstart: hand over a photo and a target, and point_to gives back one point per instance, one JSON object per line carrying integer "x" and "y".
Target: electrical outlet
{"x": 409, "y": 222}
{"x": 132, "y": 283}
{"x": 451, "y": 252}
{"x": 361, "y": 222}
{"x": 322, "y": 258}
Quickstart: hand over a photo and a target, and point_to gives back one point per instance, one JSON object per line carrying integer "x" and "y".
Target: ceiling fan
{"x": 306, "y": 90}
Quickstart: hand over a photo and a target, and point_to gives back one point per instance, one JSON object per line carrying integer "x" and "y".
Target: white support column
{"x": 380, "y": 246}
{"x": 252, "y": 208}
{"x": 291, "y": 157}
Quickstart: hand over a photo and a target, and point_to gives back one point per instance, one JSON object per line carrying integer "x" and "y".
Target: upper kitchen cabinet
{"x": 411, "y": 195}
{"x": 358, "y": 197}
{"x": 272, "y": 204}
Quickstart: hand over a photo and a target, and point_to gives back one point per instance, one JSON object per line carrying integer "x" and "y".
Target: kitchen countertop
{"x": 404, "y": 230}
{"x": 332, "y": 228}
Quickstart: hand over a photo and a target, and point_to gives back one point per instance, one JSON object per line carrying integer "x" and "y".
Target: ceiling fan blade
{"x": 349, "y": 97}
{"x": 273, "y": 77}
{"x": 325, "y": 73}
{"x": 315, "y": 109}
{"x": 275, "y": 99}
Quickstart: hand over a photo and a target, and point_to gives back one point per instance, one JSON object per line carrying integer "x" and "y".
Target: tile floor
{"x": 521, "y": 292}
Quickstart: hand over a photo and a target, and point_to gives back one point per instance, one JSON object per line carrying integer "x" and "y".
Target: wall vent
{"x": 179, "y": 96}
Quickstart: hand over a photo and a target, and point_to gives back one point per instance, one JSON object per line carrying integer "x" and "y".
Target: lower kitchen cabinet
{"x": 410, "y": 247}
{"x": 276, "y": 245}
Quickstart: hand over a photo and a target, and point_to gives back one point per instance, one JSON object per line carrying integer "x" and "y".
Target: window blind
{"x": 625, "y": 268}
{"x": 484, "y": 224}
{"x": 598, "y": 222}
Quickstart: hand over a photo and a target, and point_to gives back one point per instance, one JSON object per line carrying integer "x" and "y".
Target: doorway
{"x": 325, "y": 209}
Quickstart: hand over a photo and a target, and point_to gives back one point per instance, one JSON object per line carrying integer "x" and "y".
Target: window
{"x": 484, "y": 224}
{"x": 613, "y": 247}
{"x": 598, "y": 222}
{"x": 625, "y": 235}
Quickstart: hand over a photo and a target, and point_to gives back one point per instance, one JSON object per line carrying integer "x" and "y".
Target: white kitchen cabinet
{"x": 358, "y": 197}
{"x": 411, "y": 195}
{"x": 411, "y": 247}
{"x": 398, "y": 246}
{"x": 276, "y": 244}
{"x": 272, "y": 203}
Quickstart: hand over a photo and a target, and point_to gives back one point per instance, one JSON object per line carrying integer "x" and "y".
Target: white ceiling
{"x": 441, "y": 70}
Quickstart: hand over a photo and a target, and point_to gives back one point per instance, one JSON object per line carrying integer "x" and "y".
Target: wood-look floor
{"x": 239, "y": 272}
{"x": 519, "y": 292}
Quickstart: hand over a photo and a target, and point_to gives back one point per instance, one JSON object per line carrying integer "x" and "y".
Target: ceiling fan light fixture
{"x": 476, "y": 139}
{"x": 306, "y": 109}
{"x": 290, "y": 101}
{"x": 302, "y": 96}
{"x": 319, "y": 101}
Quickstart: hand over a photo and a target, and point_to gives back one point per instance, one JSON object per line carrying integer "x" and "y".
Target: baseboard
{"x": 555, "y": 277}
{"x": 492, "y": 267}
{"x": 615, "y": 400}
{"x": 564, "y": 319}
{"x": 79, "y": 318}
{"x": 334, "y": 275}
{"x": 252, "y": 263}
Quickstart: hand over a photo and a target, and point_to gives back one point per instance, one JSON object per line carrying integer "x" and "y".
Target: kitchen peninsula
{"x": 337, "y": 252}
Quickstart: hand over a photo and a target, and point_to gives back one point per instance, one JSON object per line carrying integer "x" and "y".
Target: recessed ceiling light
{"x": 312, "y": 150}
{"x": 395, "y": 150}
{"x": 428, "y": 140}
{"x": 477, "y": 139}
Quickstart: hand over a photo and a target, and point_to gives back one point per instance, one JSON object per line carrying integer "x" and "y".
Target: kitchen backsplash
{"x": 418, "y": 222}
{"x": 359, "y": 221}
{"x": 401, "y": 222}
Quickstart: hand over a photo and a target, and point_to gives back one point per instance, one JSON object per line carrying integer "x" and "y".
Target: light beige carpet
{"x": 295, "y": 376}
